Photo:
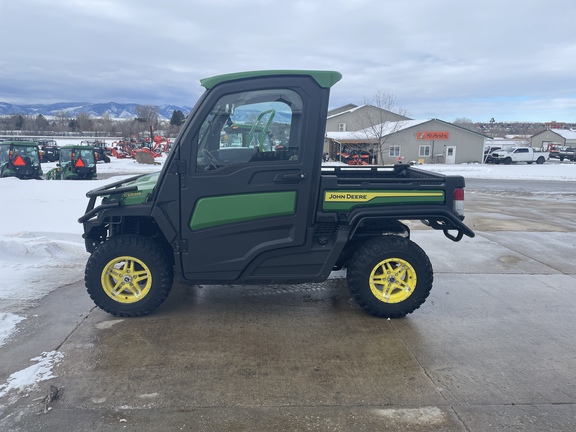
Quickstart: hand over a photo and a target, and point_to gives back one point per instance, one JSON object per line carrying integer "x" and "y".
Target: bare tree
{"x": 147, "y": 114}
{"x": 84, "y": 122}
{"x": 61, "y": 121}
{"x": 381, "y": 117}
{"x": 465, "y": 123}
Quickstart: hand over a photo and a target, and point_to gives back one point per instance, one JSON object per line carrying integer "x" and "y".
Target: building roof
{"x": 344, "y": 108}
{"x": 385, "y": 129}
{"x": 349, "y": 110}
{"x": 564, "y": 133}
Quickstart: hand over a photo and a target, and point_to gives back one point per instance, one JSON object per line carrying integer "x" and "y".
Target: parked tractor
{"x": 49, "y": 150}
{"x": 20, "y": 159}
{"x": 77, "y": 162}
{"x": 101, "y": 151}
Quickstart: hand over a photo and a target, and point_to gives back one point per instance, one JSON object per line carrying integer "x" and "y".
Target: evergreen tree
{"x": 19, "y": 122}
{"x": 177, "y": 118}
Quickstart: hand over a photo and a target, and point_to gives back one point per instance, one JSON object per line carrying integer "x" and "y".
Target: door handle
{"x": 290, "y": 178}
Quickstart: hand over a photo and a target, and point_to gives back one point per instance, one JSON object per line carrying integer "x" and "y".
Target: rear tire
{"x": 129, "y": 275}
{"x": 540, "y": 160}
{"x": 389, "y": 276}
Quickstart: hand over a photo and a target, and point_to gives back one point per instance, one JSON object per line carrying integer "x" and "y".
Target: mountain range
{"x": 72, "y": 109}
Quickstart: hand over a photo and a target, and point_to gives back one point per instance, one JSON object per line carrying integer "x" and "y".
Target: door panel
{"x": 451, "y": 154}
{"x": 252, "y": 151}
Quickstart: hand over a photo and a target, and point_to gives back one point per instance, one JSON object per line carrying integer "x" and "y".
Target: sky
{"x": 41, "y": 245}
{"x": 513, "y": 61}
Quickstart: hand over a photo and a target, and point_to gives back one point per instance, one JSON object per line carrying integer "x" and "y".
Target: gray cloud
{"x": 513, "y": 61}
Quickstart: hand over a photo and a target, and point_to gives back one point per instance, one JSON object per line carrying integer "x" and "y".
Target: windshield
{"x": 27, "y": 152}
{"x": 87, "y": 155}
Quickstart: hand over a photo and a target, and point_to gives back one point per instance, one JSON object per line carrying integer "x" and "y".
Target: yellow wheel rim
{"x": 126, "y": 279}
{"x": 393, "y": 280}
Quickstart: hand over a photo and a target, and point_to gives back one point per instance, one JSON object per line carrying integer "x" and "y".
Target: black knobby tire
{"x": 129, "y": 275}
{"x": 389, "y": 276}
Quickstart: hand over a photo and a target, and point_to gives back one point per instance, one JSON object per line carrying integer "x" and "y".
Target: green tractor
{"x": 20, "y": 159}
{"x": 77, "y": 162}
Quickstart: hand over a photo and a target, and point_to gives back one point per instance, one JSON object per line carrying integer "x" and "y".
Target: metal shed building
{"x": 424, "y": 141}
{"x": 557, "y": 137}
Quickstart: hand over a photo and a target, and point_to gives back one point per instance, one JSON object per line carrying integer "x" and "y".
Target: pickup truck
{"x": 567, "y": 153}
{"x": 264, "y": 210}
{"x": 519, "y": 154}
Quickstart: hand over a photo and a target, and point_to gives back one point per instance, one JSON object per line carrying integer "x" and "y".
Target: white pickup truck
{"x": 519, "y": 154}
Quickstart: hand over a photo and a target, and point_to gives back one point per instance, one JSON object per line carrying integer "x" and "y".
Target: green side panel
{"x": 324, "y": 79}
{"x": 222, "y": 210}
{"x": 343, "y": 200}
{"x": 145, "y": 184}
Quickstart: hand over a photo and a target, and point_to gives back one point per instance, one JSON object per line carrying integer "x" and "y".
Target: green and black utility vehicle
{"x": 263, "y": 214}
{"x": 20, "y": 159}
{"x": 77, "y": 162}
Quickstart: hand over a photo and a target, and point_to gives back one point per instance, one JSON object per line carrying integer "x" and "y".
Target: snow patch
{"x": 28, "y": 378}
{"x": 8, "y": 323}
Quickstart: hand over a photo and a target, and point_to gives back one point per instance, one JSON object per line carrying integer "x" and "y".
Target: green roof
{"x": 324, "y": 79}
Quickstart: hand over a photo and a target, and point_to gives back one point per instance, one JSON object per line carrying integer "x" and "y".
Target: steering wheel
{"x": 261, "y": 136}
{"x": 212, "y": 161}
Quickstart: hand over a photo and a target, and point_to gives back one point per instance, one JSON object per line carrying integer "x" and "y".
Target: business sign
{"x": 438, "y": 136}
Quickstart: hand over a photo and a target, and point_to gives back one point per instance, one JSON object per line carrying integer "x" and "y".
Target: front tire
{"x": 389, "y": 276}
{"x": 129, "y": 275}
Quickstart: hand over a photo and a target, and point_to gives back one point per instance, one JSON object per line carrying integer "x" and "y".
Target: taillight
{"x": 459, "y": 201}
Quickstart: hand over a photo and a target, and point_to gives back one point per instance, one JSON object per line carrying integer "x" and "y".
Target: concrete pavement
{"x": 491, "y": 349}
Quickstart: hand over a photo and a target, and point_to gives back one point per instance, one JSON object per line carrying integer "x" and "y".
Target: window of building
{"x": 424, "y": 151}
{"x": 394, "y": 151}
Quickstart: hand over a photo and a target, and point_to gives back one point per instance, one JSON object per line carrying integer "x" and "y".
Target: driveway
{"x": 491, "y": 349}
